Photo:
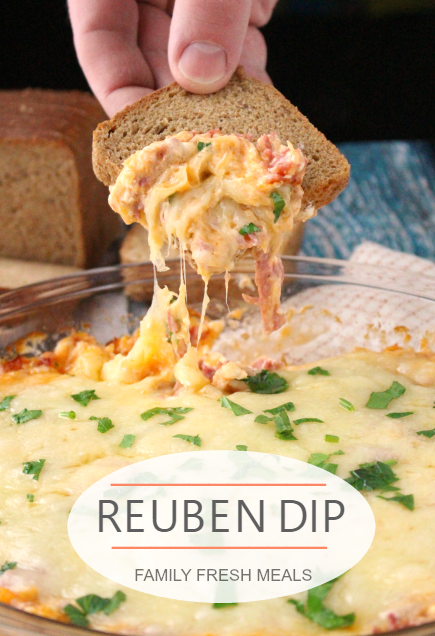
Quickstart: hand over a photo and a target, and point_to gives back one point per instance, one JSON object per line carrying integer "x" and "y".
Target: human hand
{"x": 128, "y": 48}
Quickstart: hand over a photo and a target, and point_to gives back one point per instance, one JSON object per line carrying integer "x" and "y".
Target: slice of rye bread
{"x": 245, "y": 105}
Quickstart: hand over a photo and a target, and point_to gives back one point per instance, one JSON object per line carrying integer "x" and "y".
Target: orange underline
{"x": 218, "y": 485}
{"x": 210, "y": 547}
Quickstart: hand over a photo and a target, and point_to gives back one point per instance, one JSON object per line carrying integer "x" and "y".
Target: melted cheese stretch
{"x": 394, "y": 584}
{"x": 199, "y": 190}
{"x": 218, "y": 197}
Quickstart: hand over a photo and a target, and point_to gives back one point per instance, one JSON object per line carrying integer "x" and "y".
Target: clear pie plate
{"x": 332, "y": 307}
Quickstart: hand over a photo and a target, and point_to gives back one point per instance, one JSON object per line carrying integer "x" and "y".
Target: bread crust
{"x": 245, "y": 106}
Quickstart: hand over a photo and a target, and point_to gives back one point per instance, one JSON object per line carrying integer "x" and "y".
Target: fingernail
{"x": 203, "y": 62}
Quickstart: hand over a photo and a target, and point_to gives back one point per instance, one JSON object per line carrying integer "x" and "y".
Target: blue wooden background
{"x": 390, "y": 200}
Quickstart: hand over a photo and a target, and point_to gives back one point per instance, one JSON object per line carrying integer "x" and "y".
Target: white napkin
{"x": 328, "y": 320}
{"x": 374, "y": 254}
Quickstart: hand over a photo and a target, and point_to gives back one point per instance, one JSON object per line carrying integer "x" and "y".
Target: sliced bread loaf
{"x": 52, "y": 208}
{"x": 245, "y": 105}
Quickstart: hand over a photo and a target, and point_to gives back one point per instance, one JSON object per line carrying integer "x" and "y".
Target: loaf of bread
{"x": 52, "y": 208}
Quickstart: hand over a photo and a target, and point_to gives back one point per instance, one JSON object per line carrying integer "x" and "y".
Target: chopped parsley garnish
{"x": 321, "y": 461}
{"x": 127, "y": 441}
{"x": 376, "y": 475}
{"x": 264, "y": 419}
{"x": 333, "y": 439}
{"x": 288, "y": 406}
{"x": 430, "y": 433}
{"x": 7, "y": 565}
{"x": 75, "y": 616}
{"x": 266, "y": 382}
{"x": 68, "y": 415}
{"x": 278, "y": 204}
{"x": 382, "y": 399}
{"x": 30, "y": 498}
{"x": 389, "y": 462}
{"x": 379, "y": 476}
{"x": 241, "y": 447}
{"x": 33, "y": 468}
{"x": 201, "y": 145}
{"x": 84, "y": 397}
{"x": 405, "y": 500}
{"x": 175, "y": 413}
{"x": 171, "y": 196}
{"x": 318, "y": 371}
{"x": 114, "y": 602}
{"x": 316, "y": 611}
{"x": 397, "y": 416}
{"x": 345, "y": 404}
{"x": 303, "y": 420}
{"x": 104, "y": 423}
{"x": 25, "y": 415}
{"x": 93, "y": 604}
{"x": 222, "y": 605}
{"x": 235, "y": 408}
{"x": 193, "y": 439}
{"x": 6, "y": 402}
{"x": 250, "y": 228}
{"x": 284, "y": 429}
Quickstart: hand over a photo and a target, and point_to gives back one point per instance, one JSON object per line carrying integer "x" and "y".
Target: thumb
{"x": 206, "y": 41}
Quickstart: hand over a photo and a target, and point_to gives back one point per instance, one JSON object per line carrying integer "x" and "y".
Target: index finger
{"x": 105, "y": 37}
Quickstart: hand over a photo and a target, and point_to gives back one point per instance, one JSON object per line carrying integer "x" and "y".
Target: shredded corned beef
{"x": 267, "y": 364}
{"x": 279, "y": 161}
{"x": 269, "y": 275}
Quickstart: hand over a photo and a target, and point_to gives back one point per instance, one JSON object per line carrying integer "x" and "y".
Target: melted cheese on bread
{"x": 217, "y": 197}
{"x": 200, "y": 190}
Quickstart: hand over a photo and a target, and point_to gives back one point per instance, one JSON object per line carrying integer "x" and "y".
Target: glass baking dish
{"x": 332, "y": 307}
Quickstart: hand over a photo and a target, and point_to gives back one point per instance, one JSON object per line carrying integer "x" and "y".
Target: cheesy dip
{"x": 217, "y": 198}
{"x": 74, "y": 415}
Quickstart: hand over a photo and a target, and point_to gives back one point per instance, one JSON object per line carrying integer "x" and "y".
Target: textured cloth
{"x": 374, "y": 254}
{"x": 329, "y": 319}
{"x": 390, "y": 200}
{"x": 344, "y": 317}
